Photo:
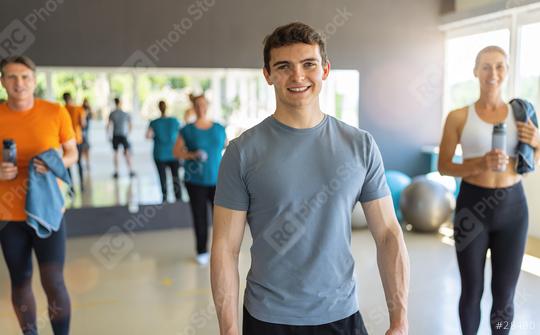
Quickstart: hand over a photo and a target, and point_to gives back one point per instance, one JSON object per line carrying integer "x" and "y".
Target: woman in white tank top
{"x": 491, "y": 211}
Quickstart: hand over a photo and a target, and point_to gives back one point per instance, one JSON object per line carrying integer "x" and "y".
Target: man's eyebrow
{"x": 302, "y": 61}
{"x": 283, "y": 62}
{"x": 309, "y": 60}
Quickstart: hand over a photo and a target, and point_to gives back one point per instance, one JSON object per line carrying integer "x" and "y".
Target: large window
{"x": 516, "y": 31}
{"x": 528, "y": 83}
{"x": 239, "y": 98}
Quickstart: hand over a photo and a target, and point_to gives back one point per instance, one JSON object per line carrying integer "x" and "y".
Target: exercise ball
{"x": 446, "y": 181}
{"x": 397, "y": 182}
{"x": 358, "y": 219}
{"x": 426, "y": 205}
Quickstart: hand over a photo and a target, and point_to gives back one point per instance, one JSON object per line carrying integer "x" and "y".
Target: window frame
{"x": 513, "y": 19}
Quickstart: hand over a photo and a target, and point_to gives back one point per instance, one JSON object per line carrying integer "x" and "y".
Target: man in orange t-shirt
{"x": 35, "y": 126}
{"x": 78, "y": 120}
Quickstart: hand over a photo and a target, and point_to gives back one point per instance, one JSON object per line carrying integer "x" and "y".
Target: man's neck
{"x": 20, "y": 105}
{"x": 299, "y": 118}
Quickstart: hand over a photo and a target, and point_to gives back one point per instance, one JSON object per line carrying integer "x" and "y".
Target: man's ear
{"x": 267, "y": 76}
{"x": 326, "y": 70}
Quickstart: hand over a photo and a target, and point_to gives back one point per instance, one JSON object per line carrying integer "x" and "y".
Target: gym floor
{"x": 154, "y": 286}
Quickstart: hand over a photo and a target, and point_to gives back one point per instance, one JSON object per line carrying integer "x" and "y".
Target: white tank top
{"x": 477, "y": 133}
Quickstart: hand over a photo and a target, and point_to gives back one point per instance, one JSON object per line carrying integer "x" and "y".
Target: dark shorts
{"x": 352, "y": 325}
{"x": 120, "y": 140}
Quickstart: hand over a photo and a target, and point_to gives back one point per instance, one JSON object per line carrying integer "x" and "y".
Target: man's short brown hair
{"x": 26, "y": 61}
{"x": 292, "y": 33}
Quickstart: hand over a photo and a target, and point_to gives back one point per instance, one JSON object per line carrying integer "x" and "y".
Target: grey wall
{"x": 395, "y": 44}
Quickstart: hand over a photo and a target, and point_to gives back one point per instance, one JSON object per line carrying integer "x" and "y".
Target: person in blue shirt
{"x": 200, "y": 145}
{"x": 164, "y": 131}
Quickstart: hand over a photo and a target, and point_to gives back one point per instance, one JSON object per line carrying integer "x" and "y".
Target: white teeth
{"x": 298, "y": 89}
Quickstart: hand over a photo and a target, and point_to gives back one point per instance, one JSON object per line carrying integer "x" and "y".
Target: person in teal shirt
{"x": 164, "y": 132}
{"x": 200, "y": 145}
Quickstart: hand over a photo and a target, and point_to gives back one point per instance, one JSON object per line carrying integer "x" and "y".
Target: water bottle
{"x": 9, "y": 151}
{"x": 133, "y": 196}
{"x": 498, "y": 141}
{"x": 203, "y": 155}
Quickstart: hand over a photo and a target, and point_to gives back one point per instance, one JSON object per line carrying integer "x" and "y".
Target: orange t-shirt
{"x": 45, "y": 126}
{"x": 76, "y": 113}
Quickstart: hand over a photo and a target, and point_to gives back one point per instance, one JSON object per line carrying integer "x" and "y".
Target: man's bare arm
{"x": 392, "y": 259}
{"x": 228, "y": 233}
{"x": 70, "y": 153}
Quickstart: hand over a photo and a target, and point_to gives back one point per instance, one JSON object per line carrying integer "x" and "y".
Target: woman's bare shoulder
{"x": 459, "y": 113}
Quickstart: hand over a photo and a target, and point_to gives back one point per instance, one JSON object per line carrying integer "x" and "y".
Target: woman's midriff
{"x": 494, "y": 179}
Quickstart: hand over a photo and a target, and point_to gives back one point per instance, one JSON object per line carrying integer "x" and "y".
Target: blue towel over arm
{"x": 523, "y": 112}
{"x": 44, "y": 199}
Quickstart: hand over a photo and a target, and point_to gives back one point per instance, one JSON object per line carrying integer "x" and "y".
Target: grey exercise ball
{"x": 358, "y": 219}
{"x": 426, "y": 205}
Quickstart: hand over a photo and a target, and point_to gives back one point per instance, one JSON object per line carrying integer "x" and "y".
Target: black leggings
{"x": 173, "y": 166}
{"x": 17, "y": 240}
{"x": 199, "y": 199}
{"x": 80, "y": 168}
{"x": 495, "y": 219}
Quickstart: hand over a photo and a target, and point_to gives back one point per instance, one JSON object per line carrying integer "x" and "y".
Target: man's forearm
{"x": 393, "y": 262}
{"x": 70, "y": 156}
{"x": 225, "y": 282}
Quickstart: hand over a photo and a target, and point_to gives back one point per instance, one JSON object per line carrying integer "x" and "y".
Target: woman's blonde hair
{"x": 488, "y": 49}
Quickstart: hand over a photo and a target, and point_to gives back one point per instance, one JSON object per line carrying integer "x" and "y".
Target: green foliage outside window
{"x": 79, "y": 84}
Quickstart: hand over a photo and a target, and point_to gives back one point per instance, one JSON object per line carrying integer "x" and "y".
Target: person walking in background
{"x": 189, "y": 114}
{"x": 490, "y": 173}
{"x": 85, "y": 147}
{"x": 120, "y": 122}
{"x": 200, "y": 145}
{"x": 35, "y": 126}
{"x": 78, "y": 120}
{"x": 164, "y": 132}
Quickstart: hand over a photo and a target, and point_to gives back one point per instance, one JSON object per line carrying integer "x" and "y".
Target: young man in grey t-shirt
{"x": 120, "y": 122}
{"x": 295, "y": 178}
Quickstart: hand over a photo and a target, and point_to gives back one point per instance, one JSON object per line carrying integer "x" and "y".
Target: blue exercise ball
{"x": 397, "y": 182}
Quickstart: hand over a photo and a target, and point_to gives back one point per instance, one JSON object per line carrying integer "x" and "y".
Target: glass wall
{"x": 528, "y": 83}
{"x": 517, "y": 31}
{"x": 239, "y": 98}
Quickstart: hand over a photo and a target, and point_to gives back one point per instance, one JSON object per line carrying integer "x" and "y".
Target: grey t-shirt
{"x": 299, "y": 187}
{"x": 120, "y": 121}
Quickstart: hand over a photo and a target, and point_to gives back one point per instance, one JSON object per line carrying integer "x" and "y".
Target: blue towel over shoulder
{"x": 523, "y": 112}
{"x": 44, "y": 199}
